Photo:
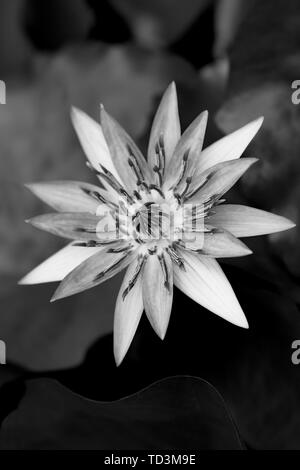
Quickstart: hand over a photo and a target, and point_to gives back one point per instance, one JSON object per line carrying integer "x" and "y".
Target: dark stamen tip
{"x": 124, "y": 294}
{"x": 103, "y": 168}
{"x": 99, "y": 276}
{"x": 161, "y": 141}
{"x": 85, "y": 190}
{"x": 167, "y": 286}
{"x": 216, "y": 230}
{"x": 137, "y": 195}
{"x": 186, "y": 155}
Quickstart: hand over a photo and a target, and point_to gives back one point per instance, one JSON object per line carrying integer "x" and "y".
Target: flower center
{"x": 150, "y": 220}
{"x": 155, "y": 221}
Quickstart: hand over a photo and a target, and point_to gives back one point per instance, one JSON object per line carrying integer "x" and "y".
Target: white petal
{"x": 218, "y": 179}
{"x": 204, "y": 281}
{"x": 93, "y": 271}
{"x": 190, "y": 145}
{"x": 243, "y": 221}
{"x": 77, "y": 225}
{"x": 166, "y": 124}
{"x": 126, "y": 156}
{"x": 93, "y": 142}
{"x": 157, "y": 296}
{"x": 127, "y": 314}
{"x": 68, "y": 196}
{"x": 229, "y": 147}
{"x": 110, "y": 193}
{"x": 218, "y": 243}
{"x": 59, "y": 265}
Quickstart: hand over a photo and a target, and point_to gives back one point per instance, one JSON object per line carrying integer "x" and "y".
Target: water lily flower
{"x": 163, "y": 218}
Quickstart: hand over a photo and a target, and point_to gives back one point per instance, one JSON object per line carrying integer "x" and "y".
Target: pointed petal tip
{"x": 253, "y": 160}
{"x": 59, "y": 294}
{"x": 119, "y": 354}
{"x": 105, "y": 118}
{"x": 75, "y": 112}
{"x": 77, "y": 116}
{"x": 260, "y": 119}
{"x": 240, "y": 320}
{"x": 54, "y": 297}
{"x": 245, "y": 251}
{"x": 283, "y": 224}
{"x": 159, "y": 330}
{"x": 290, "y": 224}
{"x": 34, "y": 221}
{"x": 253, "y": 126}
{"x": 243, "y": 324}
{"x": 162, "y": 335}
{"x": 171, "y": 90}
{"x": 118, "y": 360}
{"x": 202, "y": 117}
{"x": 257, "y": 122}
{"x": 248, "y": 161}
{"x": 34, "y": 188}
{"x": 103, "y": 113}
{"x": 28, "y": 280}
{"x": 280, "y": 223}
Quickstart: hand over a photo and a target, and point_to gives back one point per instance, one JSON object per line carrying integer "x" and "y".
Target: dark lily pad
{"x": 42, "y": 335}
{"x": 11, "y": 389}
{"x": 175, "y": 413}
{"x": 251, "y": 368}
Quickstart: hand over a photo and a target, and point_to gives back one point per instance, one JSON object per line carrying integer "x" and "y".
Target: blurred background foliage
{"x": 236, "y": 58}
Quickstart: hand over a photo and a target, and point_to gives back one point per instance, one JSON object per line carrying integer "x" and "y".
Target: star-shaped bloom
{"x": 163, "y": 219}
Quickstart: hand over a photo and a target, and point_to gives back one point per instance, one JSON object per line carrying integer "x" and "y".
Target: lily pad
{"x": 41, "y": 335}
{"x": 251, "y": 368}
{"x": 175, "y": 413}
